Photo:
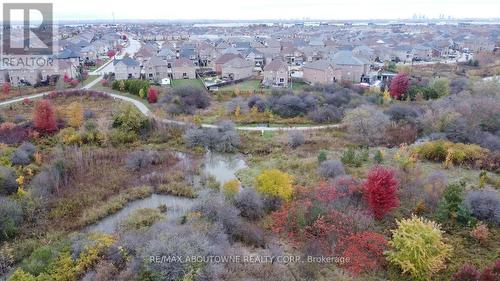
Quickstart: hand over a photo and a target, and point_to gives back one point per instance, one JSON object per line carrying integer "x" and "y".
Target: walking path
{"x": 146, "y": 111}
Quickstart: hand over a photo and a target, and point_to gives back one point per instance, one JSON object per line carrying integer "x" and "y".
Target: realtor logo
{"x": 27, "y": 29}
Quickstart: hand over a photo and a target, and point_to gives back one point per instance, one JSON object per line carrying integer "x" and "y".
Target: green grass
{"x": 248, "y": 85}
{"x": 90, "y": 79}
{"x": 178, "y": 83}
{"x": 299, "y": 86}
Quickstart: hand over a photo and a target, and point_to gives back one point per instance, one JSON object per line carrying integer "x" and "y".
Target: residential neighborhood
{"x": 265, "y": 140}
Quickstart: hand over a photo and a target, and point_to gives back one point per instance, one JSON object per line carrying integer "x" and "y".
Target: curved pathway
{"x": 146, "y": 111}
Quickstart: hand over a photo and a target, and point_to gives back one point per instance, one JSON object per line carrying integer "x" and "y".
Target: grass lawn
{"x": 298, "y": 86}
{"x": 187, "y": 82}
{"x": 90, "y": 79}
{"x": 248, "y": 85}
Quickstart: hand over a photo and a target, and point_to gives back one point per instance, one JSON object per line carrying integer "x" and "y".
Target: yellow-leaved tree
{"x": 231, "y": 187}
{"x": 74, "y": 113}
{"x": 417, "y": 247}
{"x": 275, "y": 183}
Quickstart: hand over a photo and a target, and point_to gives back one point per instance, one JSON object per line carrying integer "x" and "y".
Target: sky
{"x": 268, "y": 9}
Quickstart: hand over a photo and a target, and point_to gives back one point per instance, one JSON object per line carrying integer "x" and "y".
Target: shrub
{"x": 74, "y": 114}
{"x": 403, "y": 113}
{"x": 258, "y": 103}
{"x": 484, "y": 205}
{"x": 491, "y": 273}
{"x": 458, "y": 85}
{"x": 8, "y": 183}
{"x": 44, "y": 116}
{"x": 231, "y": 188}
{"x": 326, "y": 114}
{"x": 378, "y": 157}
{"x": 39, "y": 260}
{"x": 142, "y": 218}
{"x": 352, "y": 158}
{"x": 45, "y": 182}
{"x": 400, "y": 86}
{"x": 6, "y": 88}
{"x": 365, "y": 251}
{"x": 450, "y": 153}
{"x": 466, "y": 273}
{"x": 177, "y": 189}
{"x": 417, "y": 247}
{"x": 223, "y": 139}
{"x": 118, "y": 137}
{"x": 452, "y": 198}
{"x": 29, "y": 148}
{"x": 331, "y": 169}
{"x": 185, "y": 100}
{"x": 397, "y": 134}
{"x": 11, "y": 215}
{"x": 275, "y": 183}
{"x": 480, "y": 233}
{"x": 88, "y": 114}
{"x": 141, "y": 159}
{"x": 129, "y": 119}
{"x": 20, "y": 157}
{"x": 296, "y": 139}
{"x": 434, "y": 185}
{"x": 366, "y": 125}
{"x": 250, "y": 204}
{"x": 152, "y": 95}
{"x": 381, "y": 191}
{"x": 14, "y": 134}
{"x": 321, "y": 156}
{"x": 289, "y": 105}
{"x": 440, "y": 85}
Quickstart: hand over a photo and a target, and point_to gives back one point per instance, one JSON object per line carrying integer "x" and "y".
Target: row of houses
{"x": 236, "y": 62}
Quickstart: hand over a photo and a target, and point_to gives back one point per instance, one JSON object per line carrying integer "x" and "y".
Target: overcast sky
{"x": 270, "y": 9}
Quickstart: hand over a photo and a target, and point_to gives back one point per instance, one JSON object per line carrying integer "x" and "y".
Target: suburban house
{"x": 222, "y": 59}
{"x": 321, "y": 72}
{"x": 352, "y": 68}
{"x": 156, "y": 69}
{"x": 127, "y": 68}
{"x": 31, "y": 76}
{"x": 276, "y": 74}
{"x": 237, "y": 69}
{"x": 183, "y": 69}
{"x": 254, "y": 56}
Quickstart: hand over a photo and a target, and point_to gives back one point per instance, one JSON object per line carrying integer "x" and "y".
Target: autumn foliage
{"x": 111, "y": 53}
{"x": 152, "y": 95}
{"x": 44, "y": 117}
{"x": 275, "y": 183}
{"x": 75, "y": 115}
{"x": 313, "y": 219}
{"x": 6, "y": 88}
{"x": 400, "y": 86}
{"x": 381, "y": 191}
{"x": 365, "y": 251}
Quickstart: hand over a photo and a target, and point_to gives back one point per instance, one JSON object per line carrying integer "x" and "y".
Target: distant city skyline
{"x": 89, "y": 10}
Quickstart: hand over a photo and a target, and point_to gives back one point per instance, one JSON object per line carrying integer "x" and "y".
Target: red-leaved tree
{"x": 400, "y": 86}
{"x": 44, "y": 117}
{"x": 152, "y": 95}
{"x": 111, "y": 53}
{"x": 6, "y": 88}
{"x": 381, "y": 191}
{"x": 66, "y": 78}
{"x": 365, "y": 251}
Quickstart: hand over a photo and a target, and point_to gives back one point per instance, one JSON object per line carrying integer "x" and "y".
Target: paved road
{"x": 145, "y": 110}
